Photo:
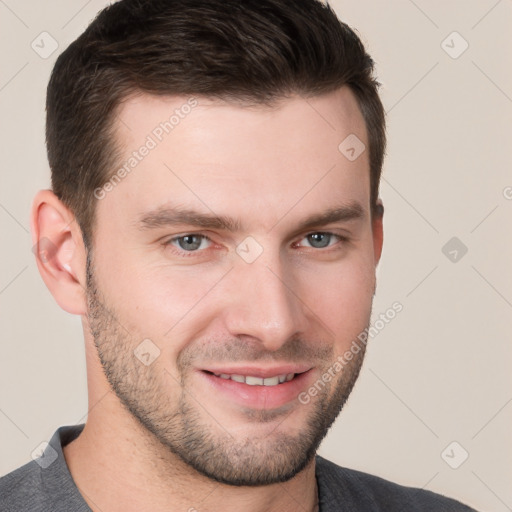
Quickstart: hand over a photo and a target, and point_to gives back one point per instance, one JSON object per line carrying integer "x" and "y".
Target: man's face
{"x": 224, "y": 305}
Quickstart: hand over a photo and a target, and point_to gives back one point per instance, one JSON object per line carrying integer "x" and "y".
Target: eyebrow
{"x": 166, "y": 216}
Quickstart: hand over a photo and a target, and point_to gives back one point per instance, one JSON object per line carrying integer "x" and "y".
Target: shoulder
{"x": 22, "y": 489}
{"x": 45, "y": 483}
{"x": 338, "y": 485}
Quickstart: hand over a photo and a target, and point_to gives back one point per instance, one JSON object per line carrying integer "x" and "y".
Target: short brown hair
{"x": 248, "y": 50}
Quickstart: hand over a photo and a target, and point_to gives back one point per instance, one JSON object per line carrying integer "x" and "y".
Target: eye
{"x": 194, "y": 243}
{"x": 321, "y": 239}
{"x": 189, "y": 242}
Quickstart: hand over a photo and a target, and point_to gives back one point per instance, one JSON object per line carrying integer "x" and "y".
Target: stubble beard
{"x": 194, "y": 436}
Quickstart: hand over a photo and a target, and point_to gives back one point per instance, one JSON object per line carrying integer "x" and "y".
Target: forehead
{"x": 229, "y": 158}
{"x": 166, "y": 118}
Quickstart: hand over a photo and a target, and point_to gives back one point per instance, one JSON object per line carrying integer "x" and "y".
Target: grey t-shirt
{"x": 46, "y": 485}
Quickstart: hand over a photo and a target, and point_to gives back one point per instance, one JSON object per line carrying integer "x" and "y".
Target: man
{"x": 215, "y": 220}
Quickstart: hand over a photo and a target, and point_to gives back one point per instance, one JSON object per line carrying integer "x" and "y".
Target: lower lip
{"x": 259, "y": 397}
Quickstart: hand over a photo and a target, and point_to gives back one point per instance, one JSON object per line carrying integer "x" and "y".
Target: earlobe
{"x": 60, "y": 254}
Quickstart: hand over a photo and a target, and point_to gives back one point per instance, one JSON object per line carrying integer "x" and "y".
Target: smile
{"x": 258, "y": 381}
{"x": 258, "y": 388}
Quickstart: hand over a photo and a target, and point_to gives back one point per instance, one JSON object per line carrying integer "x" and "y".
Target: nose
{"x": 264, "y": 304}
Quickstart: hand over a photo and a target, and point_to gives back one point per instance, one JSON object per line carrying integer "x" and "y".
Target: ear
{"x": 59, "y": 250}
{"x": 378, "y": 231}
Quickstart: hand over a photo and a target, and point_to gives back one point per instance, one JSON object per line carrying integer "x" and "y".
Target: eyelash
{"x": 186, "y": 254}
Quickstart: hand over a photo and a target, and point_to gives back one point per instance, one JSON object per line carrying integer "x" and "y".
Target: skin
{"x": 269, "y": 168}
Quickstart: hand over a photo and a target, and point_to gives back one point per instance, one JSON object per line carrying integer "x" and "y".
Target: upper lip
{"x": 258, "y": 371}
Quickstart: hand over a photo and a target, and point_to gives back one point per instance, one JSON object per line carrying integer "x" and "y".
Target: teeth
{"x": 258, "y": 381}
{"x": 254, "y": 381}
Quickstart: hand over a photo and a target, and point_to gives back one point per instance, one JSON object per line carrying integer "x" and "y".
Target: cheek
{"x": 159, "y": 302}
{"x": 341, "y": 296}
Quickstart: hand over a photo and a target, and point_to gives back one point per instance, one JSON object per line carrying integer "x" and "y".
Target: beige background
{"x": 440, "y": 371}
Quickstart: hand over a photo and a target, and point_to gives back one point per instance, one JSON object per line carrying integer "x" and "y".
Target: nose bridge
{"x": 263, "y": 303}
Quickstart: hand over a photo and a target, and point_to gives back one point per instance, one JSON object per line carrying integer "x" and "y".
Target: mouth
{"x": 258, "y": 388}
